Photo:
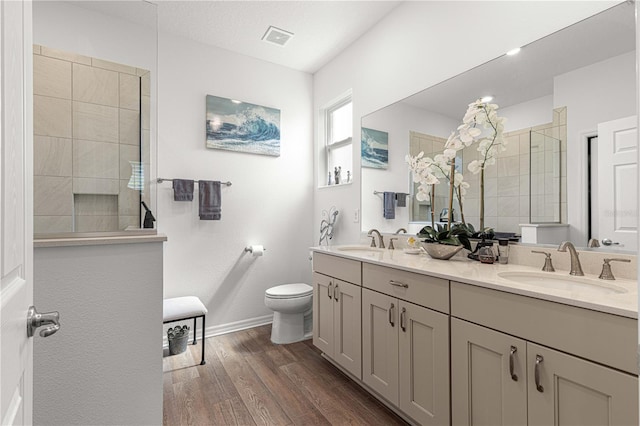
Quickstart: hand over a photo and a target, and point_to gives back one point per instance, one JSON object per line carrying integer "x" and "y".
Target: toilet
{"x": 292, "y": 312}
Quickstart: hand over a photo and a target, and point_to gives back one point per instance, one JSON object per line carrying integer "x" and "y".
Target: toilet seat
{"x": 289, "y": 291}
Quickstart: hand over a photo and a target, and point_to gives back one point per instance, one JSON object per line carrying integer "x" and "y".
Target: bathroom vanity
{"x": 459, "y": 342}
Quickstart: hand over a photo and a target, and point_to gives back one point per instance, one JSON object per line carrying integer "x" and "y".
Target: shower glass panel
{"x": 544, "y": 179}
{"x": 94, "y": 116}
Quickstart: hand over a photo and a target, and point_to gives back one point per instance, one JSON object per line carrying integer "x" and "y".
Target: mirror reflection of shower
{"x": 544, "y": 178}
{"x": 91, "y": 143}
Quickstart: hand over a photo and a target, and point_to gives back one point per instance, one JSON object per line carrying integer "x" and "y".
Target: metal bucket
{"x": 178, "y": 338}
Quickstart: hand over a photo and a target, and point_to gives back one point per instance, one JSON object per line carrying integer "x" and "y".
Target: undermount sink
{"x": 568, "y": 282}
{"x": 360, "y": 248}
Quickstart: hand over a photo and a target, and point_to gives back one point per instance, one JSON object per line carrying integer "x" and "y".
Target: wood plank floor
{"x": 248, "y": 380}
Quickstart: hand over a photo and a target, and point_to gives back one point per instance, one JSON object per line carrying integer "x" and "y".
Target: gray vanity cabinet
{"x": 572, "y": 391}
{"x": 405, "y": 346}
{"x": 500, "y": 379}
{"x": 337, "y": 308}
{"x": 488, "y": 376}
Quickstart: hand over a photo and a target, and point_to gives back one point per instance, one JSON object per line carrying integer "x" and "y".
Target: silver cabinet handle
{"x": 398, "y": 284}
{"x": 391, "y": 309}
{"x": 336, "y": 292}
{"x": 36, "y": 319}
{"x": 329, "y": 289}
{"x": 539, "y": 360}
{"x": 512, "y": 356}
{"x": 402, "y": 319}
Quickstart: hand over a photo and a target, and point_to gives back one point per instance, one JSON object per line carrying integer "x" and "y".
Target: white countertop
{"x": 484, "y": 275}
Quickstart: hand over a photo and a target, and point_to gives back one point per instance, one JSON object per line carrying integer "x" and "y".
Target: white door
{"x": 618, "y": 182}
{"x": 16, "y": 228}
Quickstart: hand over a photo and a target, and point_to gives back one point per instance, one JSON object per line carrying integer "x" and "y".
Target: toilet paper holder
{"x": 249, "y": 249}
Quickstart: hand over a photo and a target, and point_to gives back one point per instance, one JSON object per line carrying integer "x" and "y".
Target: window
{"x": 338, "y": 141}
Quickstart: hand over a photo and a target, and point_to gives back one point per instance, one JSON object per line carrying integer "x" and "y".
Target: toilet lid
{"x": 289, "y": 290}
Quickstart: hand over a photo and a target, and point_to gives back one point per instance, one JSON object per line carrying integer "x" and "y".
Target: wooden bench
{"x": 185, "y": 308}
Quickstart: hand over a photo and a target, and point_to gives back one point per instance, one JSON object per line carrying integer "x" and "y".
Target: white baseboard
{"x": 216, "y": 330}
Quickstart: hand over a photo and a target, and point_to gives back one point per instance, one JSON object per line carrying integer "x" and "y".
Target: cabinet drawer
{"x": 608, "y": 339}
{"x": 338, "y": 267}
{"x": 420, "y": 289}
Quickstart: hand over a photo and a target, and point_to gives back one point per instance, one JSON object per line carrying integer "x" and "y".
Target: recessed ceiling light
{"x": 277, "y": 36}
{"x": 513, "y": 51}
{"x": 486, "y": 99}
{"x": 236, "y": 102}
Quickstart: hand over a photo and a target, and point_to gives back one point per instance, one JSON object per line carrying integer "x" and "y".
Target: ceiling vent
{"x": 277, "y": 36}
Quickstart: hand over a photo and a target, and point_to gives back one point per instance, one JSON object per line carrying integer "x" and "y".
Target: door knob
{"x": 608, "y": 242}
{"x": 36, "y": 320}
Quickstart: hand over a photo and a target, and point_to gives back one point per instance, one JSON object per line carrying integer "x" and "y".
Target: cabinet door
{"x": 347, "y": 317}
{"x": 488, "y": 376}
{"x": 565, "y": 390}
{"x": 380, "y": 343}
{"x": 424, "y": 364}
{"x": 323, "y": 313}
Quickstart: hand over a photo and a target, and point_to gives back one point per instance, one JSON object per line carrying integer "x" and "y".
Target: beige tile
{"x": 95, "y": 186}
{"x": 146, "y": 112}
{"x": 128, "y": 200}
{"x": 52, "y": 196}
{"x": 146, "y": 84}
{"x": 95, "y": 85}
{"x": 509, "y": 206}
{"x": 129, "y": 127}
{"x": 113, "y": 66}
{"x": 524, "y": 185}
{"x": 52, "y": 224}
{"x": 141, "y": 71}
{"x": 96, "y": 223}
{"x": 524, "y": 164}
{"x": 524, "y": 206}
{"x": 129, "y": 91}
{"x": 95, "y": 205}
{"x": 512, "y": 147}
{"x": 52, "y": 156}
{"x": 490, "y": 187}
{"x": 509, "y": 186}
{"x": 51, "y": 116}
{"x": 67, "y": 56}
{"x": 509, "y": 166}
{"x": 51, "y": 77}
{"x": 128, "y": 153}
{"x": 146, "y": 146}
{"x": 95, "y": 159}
{"x": 95, "y": 122}
{"x": 128, "y": 221}
{"x": 36, "y": 49}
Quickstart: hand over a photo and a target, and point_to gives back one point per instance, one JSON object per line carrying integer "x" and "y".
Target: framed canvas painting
{"x": 241, "y": 126}
{"x": 375, "y": 149}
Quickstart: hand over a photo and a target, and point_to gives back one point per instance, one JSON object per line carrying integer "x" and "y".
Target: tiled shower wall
{"x": 87, "y": 128}
{"x": 507, "y": 193}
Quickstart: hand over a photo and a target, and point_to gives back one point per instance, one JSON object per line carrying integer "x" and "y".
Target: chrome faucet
{"x": 400, "y": 230}
{"x": 593, "y": 242}
{"x": 576, "y": 268}
{"x": 373, "y": 240}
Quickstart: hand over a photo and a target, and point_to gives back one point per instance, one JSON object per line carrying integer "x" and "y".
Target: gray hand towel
{"x": 182, "y": 190}
{"x": 210, "y": 200}
{"x": 401, "y": 198}
{"x": 389, "y": 205}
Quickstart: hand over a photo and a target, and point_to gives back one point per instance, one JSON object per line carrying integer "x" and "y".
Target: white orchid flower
{"x": 474, "y": 167}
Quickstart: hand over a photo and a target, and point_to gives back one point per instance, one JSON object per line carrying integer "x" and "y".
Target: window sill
{"x": 334, "y": 186}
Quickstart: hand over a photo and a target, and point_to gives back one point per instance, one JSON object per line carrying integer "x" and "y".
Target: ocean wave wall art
{"x": 241, "y": 126}
{"x": 375, "y": 149}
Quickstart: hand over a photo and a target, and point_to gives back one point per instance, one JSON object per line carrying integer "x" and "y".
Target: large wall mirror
{"x": 94, "y": 73}
{"x": 559, "y": 96}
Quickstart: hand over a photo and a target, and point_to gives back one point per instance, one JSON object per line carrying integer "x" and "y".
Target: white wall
{"x": 269, "y": 202}
{"x": 593, "y": 94}
{"x": 528, "y": 114}
{"x": 416, "y": 46}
